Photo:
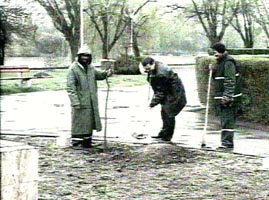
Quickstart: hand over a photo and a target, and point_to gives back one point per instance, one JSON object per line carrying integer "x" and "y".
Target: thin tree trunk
{"x": 74, "y": 49}
{"x": 2, "y": 55}
{"x": 135, "y": 46}
{"x": 104, "y": 51}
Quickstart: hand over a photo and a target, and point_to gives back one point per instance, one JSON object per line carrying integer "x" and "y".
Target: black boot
{"x": 159, "y": 136}
{"x": 87, "y": 142}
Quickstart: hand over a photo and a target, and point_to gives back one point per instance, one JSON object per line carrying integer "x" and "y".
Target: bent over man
{"x": 82, "y": 91}
{"x": 168, "y": 91}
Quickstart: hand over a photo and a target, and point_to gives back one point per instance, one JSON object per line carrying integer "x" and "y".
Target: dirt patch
{"x": 159, "y": 171}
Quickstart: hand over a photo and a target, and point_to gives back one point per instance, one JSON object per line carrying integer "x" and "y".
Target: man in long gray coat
{"x": 169, "y": 92}
{"x": 82, "y": 91}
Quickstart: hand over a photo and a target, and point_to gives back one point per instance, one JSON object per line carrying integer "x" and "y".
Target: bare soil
{"x": 148, "y": 172}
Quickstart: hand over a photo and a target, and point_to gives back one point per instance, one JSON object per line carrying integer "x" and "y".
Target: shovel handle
{"x": 207, "y": 104}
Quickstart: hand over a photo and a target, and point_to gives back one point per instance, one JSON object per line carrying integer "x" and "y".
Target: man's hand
{"x": 227, "y": 101}
{"x": 212, "y": 67}
{"x": 109, "y": 72}
{"x": 151, "y": 105}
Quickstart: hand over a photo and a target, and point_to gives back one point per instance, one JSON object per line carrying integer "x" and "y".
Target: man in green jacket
{"x": 168, "y": 91}
{"x": 224, "y": 75}
{"x": 82, "y": 91}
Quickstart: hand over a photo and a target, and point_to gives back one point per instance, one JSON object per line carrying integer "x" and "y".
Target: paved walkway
{"x": 48, "y": 114}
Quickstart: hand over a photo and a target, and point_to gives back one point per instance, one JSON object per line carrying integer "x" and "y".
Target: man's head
{"x": 84, "y": 56}
{"x": 148, "y": 64}
{"x": 219, "y": 49}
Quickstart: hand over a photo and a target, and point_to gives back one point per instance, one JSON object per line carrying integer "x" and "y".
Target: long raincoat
{"x": 82, "y": 91}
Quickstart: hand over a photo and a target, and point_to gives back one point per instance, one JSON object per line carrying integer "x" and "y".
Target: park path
{"x": 48, "y": 114}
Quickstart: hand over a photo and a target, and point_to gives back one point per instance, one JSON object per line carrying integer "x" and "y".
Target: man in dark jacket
{"x": 168, "y": 91}
{"x": 82, "y": 91}
{"x": 225, "y": 75}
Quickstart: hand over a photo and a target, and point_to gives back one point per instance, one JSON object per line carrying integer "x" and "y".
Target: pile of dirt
{"x": 163, "y": 153}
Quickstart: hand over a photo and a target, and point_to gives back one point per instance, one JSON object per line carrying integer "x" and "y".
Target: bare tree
{"x": 13, "y": 20}
{"x": 244, "y": 23}
{"x": 109, "y": 19}
{"x": 66, "y": 19}
{"x": 137, "y": 31}
{"x": 213, "y": 15}
{"x": 262, "y": 16}
{"x": 135, "y": 24}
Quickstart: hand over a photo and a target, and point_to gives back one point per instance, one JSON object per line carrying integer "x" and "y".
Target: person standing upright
{"x": 224, "y": 75}
{"x": 82, "y": 92}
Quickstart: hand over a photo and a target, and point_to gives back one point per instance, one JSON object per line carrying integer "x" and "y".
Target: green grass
{"x": 58, "y": 82}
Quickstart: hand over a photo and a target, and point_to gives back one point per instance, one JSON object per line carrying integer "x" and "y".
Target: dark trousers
{"x": 168, "y": 126}
{"x": 228, "y": 119}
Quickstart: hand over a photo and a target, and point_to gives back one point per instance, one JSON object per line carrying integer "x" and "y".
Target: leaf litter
{"x": 155, "y": 171}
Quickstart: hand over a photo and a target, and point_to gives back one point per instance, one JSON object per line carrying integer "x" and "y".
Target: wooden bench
{"x": 20, "y": 70}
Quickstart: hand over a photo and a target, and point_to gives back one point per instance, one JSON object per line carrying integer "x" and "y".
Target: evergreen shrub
{"x": 127, "y": 65}
{"x": 248, "y": 51}
{"x": 255, "y": 78}
{"x": 243, "y": 51}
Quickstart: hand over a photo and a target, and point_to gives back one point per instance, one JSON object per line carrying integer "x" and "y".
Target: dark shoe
{"x": 166, "y": 139}
{"x": 76, "y": 142}
{"x": 229, "y": 146}
{"x": 160, "y": 135}
{"x": 224, "y": 147}
{"x": 156, "y": 137}
{"x": 87, "y": 143}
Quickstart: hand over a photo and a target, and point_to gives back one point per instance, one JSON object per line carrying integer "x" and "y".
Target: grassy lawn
{"x": 58, "y": 82}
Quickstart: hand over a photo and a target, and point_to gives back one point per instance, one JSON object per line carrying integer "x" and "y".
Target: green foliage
{"x": 51, "y": 44}
{"x": 254, "y": 73}
{"x": 243, "y": 51}
{"x": 202, "y": 71}
{"x": 127, "y": 65}
{"x": 250, "y": 51}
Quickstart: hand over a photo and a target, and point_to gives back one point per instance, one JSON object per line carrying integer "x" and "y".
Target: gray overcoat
{"x": 82, "y": 91}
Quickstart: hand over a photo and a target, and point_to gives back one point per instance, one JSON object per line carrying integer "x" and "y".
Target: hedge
{"x": 249, "y": 51}
{"x": 255, "y": 78}
{"x": 127, "y": 65}
{"x": 243, "y": 51}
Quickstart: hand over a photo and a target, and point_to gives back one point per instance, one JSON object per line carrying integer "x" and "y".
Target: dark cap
{"x": 148, "y": 60}
{"x": 219, "y": 47}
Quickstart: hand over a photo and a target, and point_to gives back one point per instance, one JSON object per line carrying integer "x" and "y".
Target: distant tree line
{"x": 135, "y": 24}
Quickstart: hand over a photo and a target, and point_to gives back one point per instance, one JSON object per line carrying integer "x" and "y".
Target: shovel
{"x": 203, "y": 144}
